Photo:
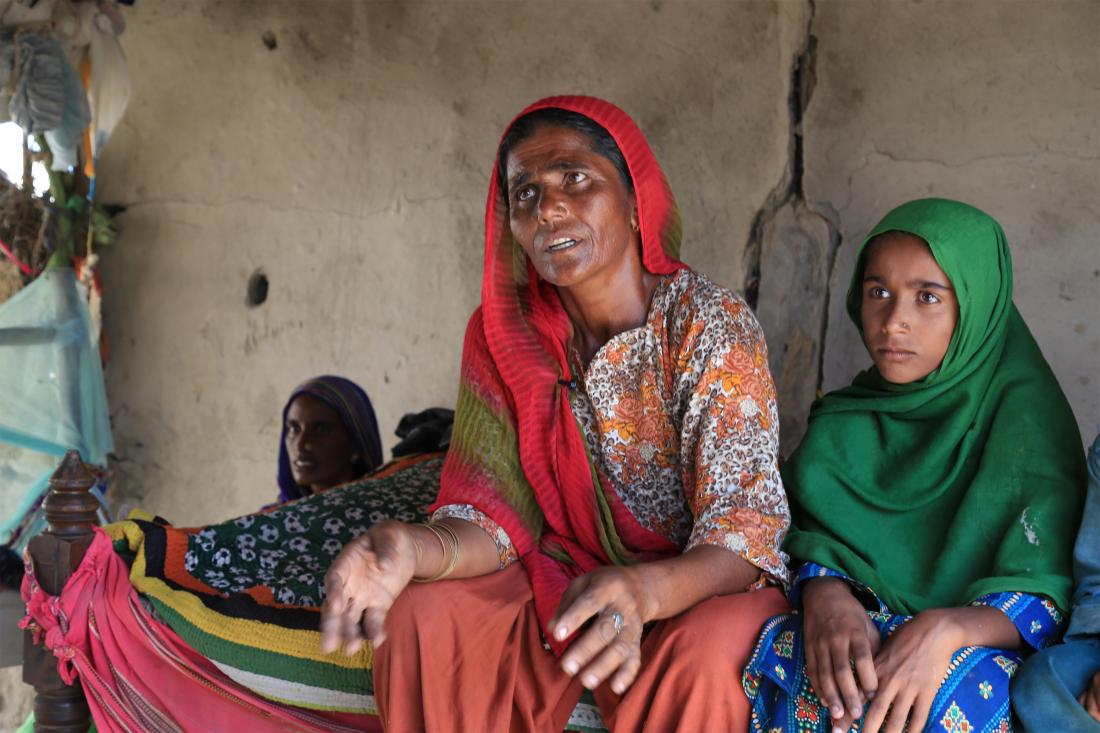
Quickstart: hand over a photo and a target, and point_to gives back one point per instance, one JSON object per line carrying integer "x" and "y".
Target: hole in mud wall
{"x": 257, "y": 289}
{"x": 269, "y": 40}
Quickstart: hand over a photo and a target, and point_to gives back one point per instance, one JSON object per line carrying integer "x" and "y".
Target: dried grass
{"x": 21, "y": 223}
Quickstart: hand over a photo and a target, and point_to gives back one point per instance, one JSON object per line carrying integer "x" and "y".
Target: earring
{"x": 354, "y": 457}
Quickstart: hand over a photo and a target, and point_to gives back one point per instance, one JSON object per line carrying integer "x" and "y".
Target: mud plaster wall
{"x": 343, "y": 149}
{"x": 350, "y": 163}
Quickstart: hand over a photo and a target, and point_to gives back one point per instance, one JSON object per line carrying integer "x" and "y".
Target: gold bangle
{"x": 449, "y": 530}
{"x": 439, "y": 530}
{"x": 442, "y": 546}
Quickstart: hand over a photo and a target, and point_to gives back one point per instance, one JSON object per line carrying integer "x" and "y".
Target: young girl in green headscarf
{"x": 930, "y": 499}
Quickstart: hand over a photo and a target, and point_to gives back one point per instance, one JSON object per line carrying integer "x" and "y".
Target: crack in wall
{"x": 789, "y": 186}
{"x": 789, "y": 191}
{"x": 835, "y": 241}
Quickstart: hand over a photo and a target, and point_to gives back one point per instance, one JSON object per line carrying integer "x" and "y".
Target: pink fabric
{"x": 137, "y": 674}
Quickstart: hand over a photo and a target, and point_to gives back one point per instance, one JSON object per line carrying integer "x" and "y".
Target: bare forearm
{"x": 679, "y": 583}
{"x": 978, "y": 626}
{"x": 477, "y": 553}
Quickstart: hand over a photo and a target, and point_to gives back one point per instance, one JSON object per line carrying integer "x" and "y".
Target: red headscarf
{"x": 517, "y": 453}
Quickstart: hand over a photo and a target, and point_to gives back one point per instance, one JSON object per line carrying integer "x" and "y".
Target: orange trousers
{"x": 467, "y": 655}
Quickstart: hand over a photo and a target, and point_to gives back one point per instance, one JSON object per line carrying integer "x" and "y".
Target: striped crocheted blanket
{"x": 246, "y": 593}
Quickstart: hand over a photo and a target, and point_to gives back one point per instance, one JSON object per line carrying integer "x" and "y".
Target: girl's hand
{"x": 839, "y": 635}
{"x": 612, "y": 596}
{"x": 363, "y": 582}
{"x": 911, "y": 666}
{"x": 1090, "y": 698}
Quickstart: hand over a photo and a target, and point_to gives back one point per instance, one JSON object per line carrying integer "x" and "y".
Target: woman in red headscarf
{"x": 616, "y": 435}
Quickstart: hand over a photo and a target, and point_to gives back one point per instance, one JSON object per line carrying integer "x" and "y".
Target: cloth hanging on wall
{"x": 38, "y": 101}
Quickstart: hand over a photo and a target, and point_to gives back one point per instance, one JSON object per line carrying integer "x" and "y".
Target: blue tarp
{"x": 52, "y": 398}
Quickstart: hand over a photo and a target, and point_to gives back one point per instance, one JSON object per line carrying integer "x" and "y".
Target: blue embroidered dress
{"x": 973, "y": 697}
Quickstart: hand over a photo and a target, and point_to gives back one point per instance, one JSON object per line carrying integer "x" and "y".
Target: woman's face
{"x": 318, "y": 445}
{"x": 568, "y": 206}
{"x": 909, "y": 309}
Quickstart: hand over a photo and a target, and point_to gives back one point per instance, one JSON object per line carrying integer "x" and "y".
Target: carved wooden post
{"x": 70, "y": 510}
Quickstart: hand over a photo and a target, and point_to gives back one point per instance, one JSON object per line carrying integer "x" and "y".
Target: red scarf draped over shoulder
{"x": 517, "y": 452}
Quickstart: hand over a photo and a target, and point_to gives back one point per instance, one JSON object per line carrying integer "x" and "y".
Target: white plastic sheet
{"x": 109, "y": 85}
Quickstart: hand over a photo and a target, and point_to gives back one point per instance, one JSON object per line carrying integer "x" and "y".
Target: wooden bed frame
{"x": 70, "y": 510}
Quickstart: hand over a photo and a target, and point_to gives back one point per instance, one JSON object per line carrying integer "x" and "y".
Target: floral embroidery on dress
{"x": 681, "y": 415}
{"x": 974, "y": 693}
{"x": 1039, "y": 621}
{"x": 506, "y": 552}
{"x": 680, "y": 418}
{"x": 955, "y": 722}
{"x": 784, "y": 644}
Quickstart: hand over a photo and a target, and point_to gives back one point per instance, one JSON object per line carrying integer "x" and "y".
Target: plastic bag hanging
{"x": 109, "y": 85}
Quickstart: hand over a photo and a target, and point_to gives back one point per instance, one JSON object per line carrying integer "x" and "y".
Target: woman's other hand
{"x": 838, "y": 634}
{"x": 611, "y": 646}
{"x": 913, "y": 662}
{"x": 1090, "y": 698}
{"x": 363, "y": 583}
{"x": 911, "y": 666}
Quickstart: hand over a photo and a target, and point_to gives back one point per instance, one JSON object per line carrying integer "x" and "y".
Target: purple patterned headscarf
{"x": 354, "y": 408}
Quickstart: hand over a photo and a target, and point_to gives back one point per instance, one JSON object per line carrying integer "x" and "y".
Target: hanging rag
{"x": 38, "y": 101}
{"x": 49, "y": 98}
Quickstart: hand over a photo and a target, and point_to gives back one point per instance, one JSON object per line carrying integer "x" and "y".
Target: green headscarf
{"x": 966, "y": 482}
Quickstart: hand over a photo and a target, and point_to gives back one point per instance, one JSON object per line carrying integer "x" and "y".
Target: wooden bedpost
{"x": 70, "y": 510}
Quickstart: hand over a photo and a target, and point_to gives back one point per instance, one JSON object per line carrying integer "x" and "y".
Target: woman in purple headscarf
{"x": 330, "y": 436}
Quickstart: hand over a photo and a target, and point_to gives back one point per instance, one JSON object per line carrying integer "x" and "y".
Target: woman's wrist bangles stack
{"x": 446, "y": 535}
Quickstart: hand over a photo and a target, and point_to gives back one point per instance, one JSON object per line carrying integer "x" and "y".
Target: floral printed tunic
{"x": 679, "y": 416}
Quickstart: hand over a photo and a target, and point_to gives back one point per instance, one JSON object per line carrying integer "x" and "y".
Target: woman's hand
{"x": 911, "y": 666}
{"x": 837, "y": 634}
{"x": 1090, "y": 698}
{"x": 603, "y": 651}
{"x": 363, "y": 583}
{"x": 637, "y": 595}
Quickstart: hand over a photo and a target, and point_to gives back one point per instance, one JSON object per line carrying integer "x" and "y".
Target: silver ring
{"x": 617, "y": 621}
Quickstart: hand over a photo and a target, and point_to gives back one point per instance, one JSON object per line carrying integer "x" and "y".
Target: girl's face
{"x": 909, "y": 309}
